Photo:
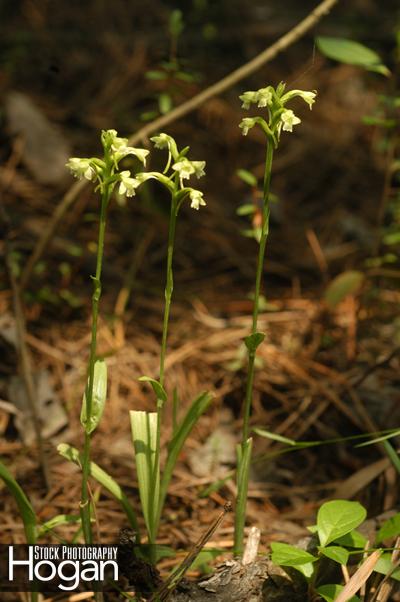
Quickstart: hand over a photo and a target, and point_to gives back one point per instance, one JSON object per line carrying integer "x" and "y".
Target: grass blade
{"x": 24, "y": 506}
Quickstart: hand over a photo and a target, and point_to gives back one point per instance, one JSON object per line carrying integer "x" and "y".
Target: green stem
{"x": 169, "y": 286}
{"x": 85, "y": 502}
{"x": 256, "y": 305}
{"x": 239, "y": 524}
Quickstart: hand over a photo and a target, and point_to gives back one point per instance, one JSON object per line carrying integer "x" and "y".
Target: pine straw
{"x": 298, "y": 394}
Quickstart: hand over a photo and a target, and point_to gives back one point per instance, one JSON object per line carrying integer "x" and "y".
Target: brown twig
{"x": 187, "y": 107}
{"x": 170, "y": 584}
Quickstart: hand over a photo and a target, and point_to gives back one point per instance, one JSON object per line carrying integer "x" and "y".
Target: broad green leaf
{"x": 335, "y": 553}
{"x": 254, "y": 340}
{"x": 98, "y": 398}
{"x": 196, "y": 409}
{"x": 347, "y": 283}
{"x": 157, "y": 387}
{"x": 247, "y": 177}
{"x": 273, "y": 436}
{"x": 247, "y": 209}
{"x": 101, "y": 476}
{"x": 389, "y": 529}
{"x": 331, "y": 591}
{"x": 242, "y": 482}
{"x": 24, "y": 506}
{"x": 144, "y": 437}
{"x": 352, "y": 53}
{"x": 384, "y": 566}
{"x": 354, "y": 539}
{"x": 307, "y": 570}
{"x": 338, "y": 517}
{"x": 287, "y": 555}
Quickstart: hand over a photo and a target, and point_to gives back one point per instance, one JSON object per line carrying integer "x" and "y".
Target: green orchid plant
{"x": 279, "y": 119}
{"x": 106, "y": 174}
{"x": 146, "y": 426}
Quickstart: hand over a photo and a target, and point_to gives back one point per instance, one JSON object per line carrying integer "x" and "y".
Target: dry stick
{"x": 187, "y": 107}
{"x": 162, "y": 594}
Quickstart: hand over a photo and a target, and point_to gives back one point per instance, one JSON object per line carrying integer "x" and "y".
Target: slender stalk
{"x": 169, "y": 286}
{"x": 242, "y": 479}
{"x": 85, "y": 502}
{"x": 256, "y": 305}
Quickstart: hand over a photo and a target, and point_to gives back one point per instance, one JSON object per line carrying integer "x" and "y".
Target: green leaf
{"x": 347, "y": 283}
{"x": 242, "y": 482}
{"x": 196, "y": 409}
{"x": 384, "y": 566}
{"x": 176, "y": 23}
{"x": 101, "y": 476}
{"x": 352, "y": 53}
{"x": 389, "y": 529}
{"x": 154, "y": 552}
{"x": 253, "y": 341}
{"x": 98, "y": 398}
{"x": 57, "y": 521}
{"x": 164, "y": 103}
{"x": 24, "y": 506}
{"x": 338, "y": 517}
{"x": 330, "y": 592}
{"x": 273, "y": 436}
{"x": 157, "y": 387}
{"x": 336, "y": 553}
{"x": 144, "y": 436}
{"x": 307, "y": 570}
{"x": 354, "y": 539}
{"x": 247, "y": 177}
{"x": 247, "y": 209}
{"x": 394, "y": 433}
{"x": 205, "y": 558}
{"x": 287, "y": 555}
{"x": 156, "y": 75}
